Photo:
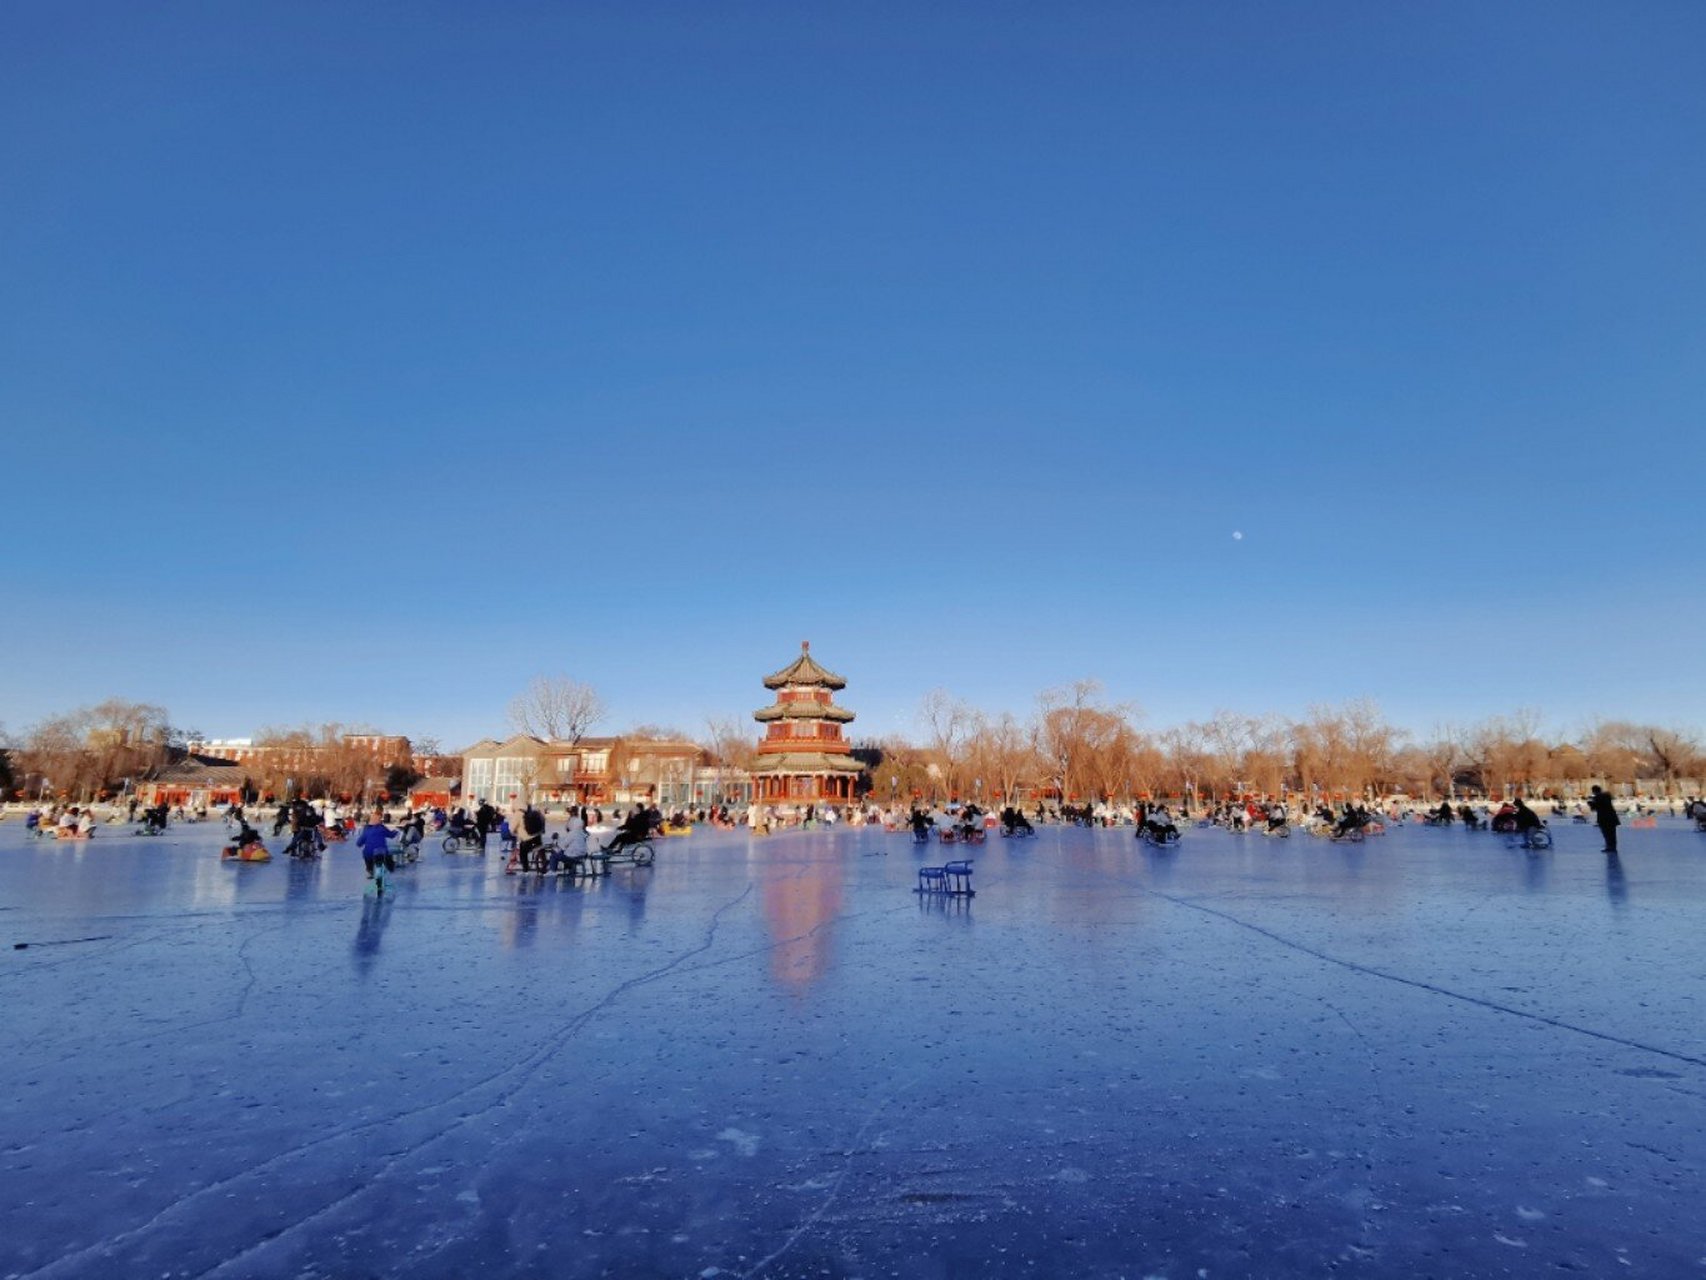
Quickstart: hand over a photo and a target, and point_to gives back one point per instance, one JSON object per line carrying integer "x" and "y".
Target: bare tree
{"x": 730, "y": 746}
{"x": 1267, "y": 758}
{"x": 1227, "y": 737}
{"x": 653, "y": 733}
{"x": 950, "y": 724}
{"x": 1443, "y": 756}
{"x": 1614, "y": 750}
{"x": 557, "y": 709}
{"x": 1187, "y": 759}
{"x": 1507, "y": 751}
{"x": 1072, "y": 727}
{"x": 901, "y": 774}
{"x": 1674, "y": 755}
{"x": 93, "y": 751}
{"x": 1370, "y": 743}
{"x": 1004, "y": 751}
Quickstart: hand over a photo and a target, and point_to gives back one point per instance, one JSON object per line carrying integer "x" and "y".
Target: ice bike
{"x": 638, "y": 853}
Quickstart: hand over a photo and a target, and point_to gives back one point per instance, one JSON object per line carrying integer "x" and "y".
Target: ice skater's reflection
{"x": 519, "y": 927}
{"x": 1160, "y": 861}
{"x": 1616, "y": 886}
{"x": 374, "y": 916}
{"x": 639, "y": 881}
{"x": 304, "y": 875}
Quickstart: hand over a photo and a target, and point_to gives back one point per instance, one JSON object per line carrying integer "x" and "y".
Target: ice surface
{"x": 1425, "y": 1054}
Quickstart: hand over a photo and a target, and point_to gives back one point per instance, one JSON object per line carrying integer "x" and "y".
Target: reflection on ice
{"x": 801, "y": 881}
{"x": 375, "y": 912}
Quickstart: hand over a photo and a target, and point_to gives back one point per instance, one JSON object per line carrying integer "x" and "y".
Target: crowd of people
{"x": 523, "y": 832}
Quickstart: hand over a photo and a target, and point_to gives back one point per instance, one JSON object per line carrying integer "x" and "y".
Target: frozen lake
{"x": 1428, "y": 1054}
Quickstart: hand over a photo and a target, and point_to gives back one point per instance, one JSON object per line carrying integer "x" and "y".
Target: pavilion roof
{"x": 803, "y": 711}
{"x": 808, "y": 762}
{"x": 805, "y": 670}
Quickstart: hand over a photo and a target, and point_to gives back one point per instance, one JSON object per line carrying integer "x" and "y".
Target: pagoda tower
{"x": 802, "y": 758}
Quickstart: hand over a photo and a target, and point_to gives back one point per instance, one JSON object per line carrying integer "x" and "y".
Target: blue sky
{"x": 360, "y": 362}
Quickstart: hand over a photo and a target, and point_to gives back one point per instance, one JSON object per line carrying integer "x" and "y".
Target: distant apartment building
{"x": 385, "y": 749}
{"x": 670, "y": 774}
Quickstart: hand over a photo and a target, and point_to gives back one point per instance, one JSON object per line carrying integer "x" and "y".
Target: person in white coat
{"x": 574, "y": 844}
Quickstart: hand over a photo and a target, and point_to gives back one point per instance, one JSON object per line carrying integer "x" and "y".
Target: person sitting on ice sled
{"x": 565, "y": 857}
{"x": 635, "y": 828}
{"x": 1526, "y": 819}
{"x": 1160, "y": 824}
{"x": 971, "y": 820}
{"x": 246, "y": 836}
{"x": 1355, "y": 817}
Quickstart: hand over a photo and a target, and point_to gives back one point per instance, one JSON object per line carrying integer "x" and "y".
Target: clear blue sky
{"x": 957, "y": 338}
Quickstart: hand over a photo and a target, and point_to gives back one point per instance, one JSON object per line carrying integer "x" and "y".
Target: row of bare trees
{"x": 93, "y": 750}
{"x": 106, "y": 749}
{"x": 322, "y": 760}
{"x": 1078, "y": 747}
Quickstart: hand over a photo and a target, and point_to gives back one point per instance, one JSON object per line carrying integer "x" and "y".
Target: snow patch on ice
{"x": 740, "y": 1140}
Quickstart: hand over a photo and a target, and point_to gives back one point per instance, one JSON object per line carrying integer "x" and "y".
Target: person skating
{"x": 1605, "y": 814}
{"x": 485, "y": 819}
{"x": 373, "y": 842}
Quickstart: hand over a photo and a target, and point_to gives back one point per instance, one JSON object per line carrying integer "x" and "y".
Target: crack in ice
{"x": 522, "y": 1071}
{"x": 1432, "y": 988}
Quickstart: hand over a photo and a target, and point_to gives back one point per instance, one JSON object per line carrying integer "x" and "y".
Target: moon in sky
{"x": 1237, "y": 535}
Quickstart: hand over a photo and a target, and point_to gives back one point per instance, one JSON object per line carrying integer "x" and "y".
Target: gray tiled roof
{"x": 802, "y": 711}
{"x": 805, "y": 670}
{"x": 805, "y": 762}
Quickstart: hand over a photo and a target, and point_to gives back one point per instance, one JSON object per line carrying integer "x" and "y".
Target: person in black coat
{"x": 1605, "y": 814}
{"x": 531, "y": 849}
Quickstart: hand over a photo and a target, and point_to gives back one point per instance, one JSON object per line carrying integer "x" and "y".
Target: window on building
{"x": 595, "y": 761}
{"x": 508, "y": 773}
{"x": 479, "y": 779}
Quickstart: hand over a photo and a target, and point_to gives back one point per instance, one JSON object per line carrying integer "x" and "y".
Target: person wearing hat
{"x": 1605, "y": 814}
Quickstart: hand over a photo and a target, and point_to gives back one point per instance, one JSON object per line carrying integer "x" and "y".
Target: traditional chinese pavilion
{"x": 802, "y": 758}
